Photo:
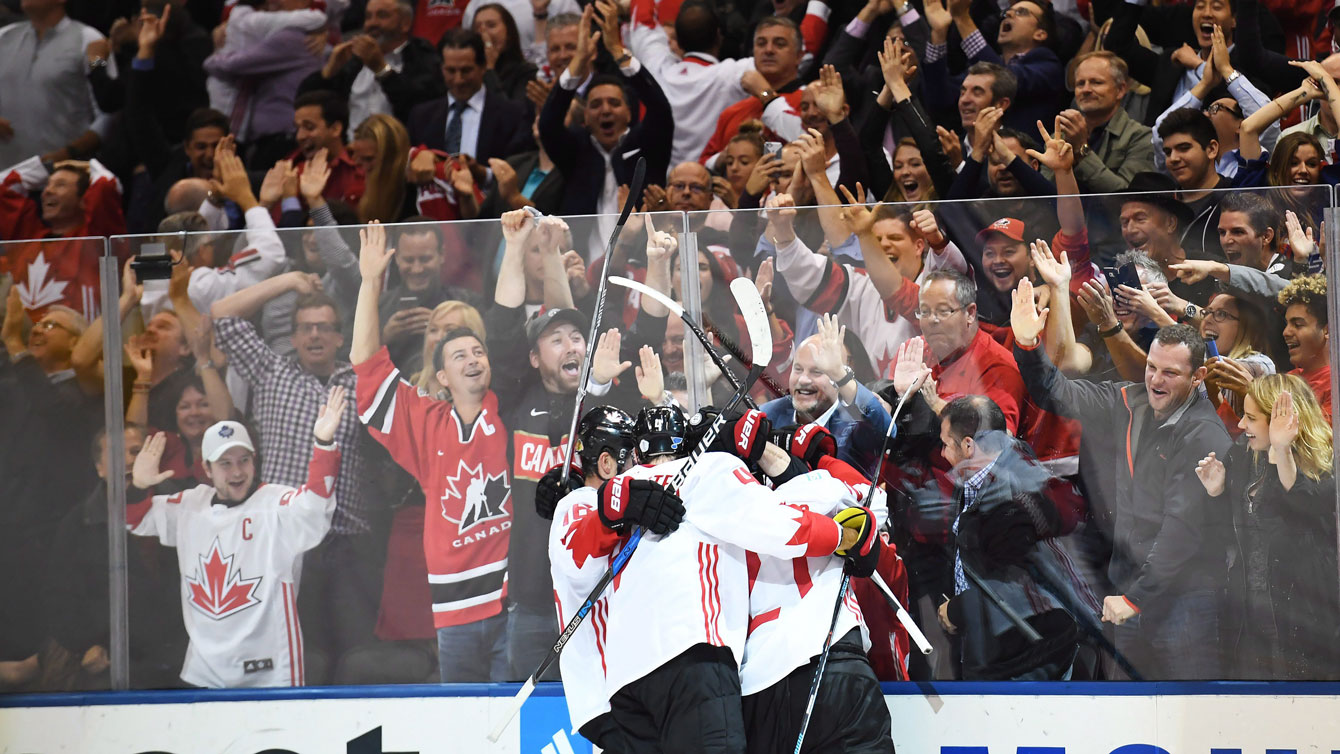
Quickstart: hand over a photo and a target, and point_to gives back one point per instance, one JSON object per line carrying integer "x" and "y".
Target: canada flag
{"x": 472, "y": 496}
{"x": 217, "y": 590}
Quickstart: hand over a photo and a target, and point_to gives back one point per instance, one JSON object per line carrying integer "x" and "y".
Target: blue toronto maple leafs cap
{"x": 223, "y": 436}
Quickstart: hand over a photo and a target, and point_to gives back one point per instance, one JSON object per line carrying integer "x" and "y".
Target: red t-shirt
{"x": 1319, "y": 380}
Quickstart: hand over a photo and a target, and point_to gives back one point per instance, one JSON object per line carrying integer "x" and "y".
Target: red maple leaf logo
{"x": 219, "y": 591}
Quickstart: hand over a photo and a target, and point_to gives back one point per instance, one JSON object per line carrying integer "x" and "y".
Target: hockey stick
{"x": 823, "y": 661}
{"x": 846, "y": 581}
{"x": 912, "y": 629}
{"x": 756, "y": 320}
{"x": 634, "y": 192}
{"x": 678, "y": 311}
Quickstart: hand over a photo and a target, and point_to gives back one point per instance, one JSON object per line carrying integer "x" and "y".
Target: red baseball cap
{"x": 1007, "y": 226}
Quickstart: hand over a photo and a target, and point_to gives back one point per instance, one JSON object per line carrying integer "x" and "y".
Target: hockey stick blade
{"x": 755, "y": 318}
{"x": 912, "y": 629}
{"x": 678, "y": 311}
{"x": 634, "y": 191}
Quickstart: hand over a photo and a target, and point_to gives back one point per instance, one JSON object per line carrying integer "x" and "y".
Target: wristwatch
{"x": 97, "y": 63}
{"x": 848, "y": 377}
{"x": 1191, "y": 311}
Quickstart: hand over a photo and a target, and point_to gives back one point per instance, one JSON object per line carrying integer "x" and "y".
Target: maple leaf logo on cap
{"x": 225, "y": 431}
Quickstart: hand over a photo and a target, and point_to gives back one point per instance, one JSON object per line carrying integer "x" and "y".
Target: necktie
{"x": 454, "y": 125}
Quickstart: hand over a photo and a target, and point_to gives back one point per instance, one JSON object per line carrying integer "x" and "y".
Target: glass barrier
{"x": 433, "y": 565}
{"x": 1154, "y": 562}
{"x": 56, "y": 634}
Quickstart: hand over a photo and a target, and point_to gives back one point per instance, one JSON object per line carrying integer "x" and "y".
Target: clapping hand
{"x": 328, "y": 420}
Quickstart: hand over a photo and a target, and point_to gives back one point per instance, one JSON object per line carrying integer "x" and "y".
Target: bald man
{"x": 688, "y": 188}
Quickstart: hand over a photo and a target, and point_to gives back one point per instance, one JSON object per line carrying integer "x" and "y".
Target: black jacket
{"x": 579, "y": 159}
{"x": 548, "y": 196}
{"x": 1161, "y": 514}
{"x": 418, "y": 80}
{"x": 503, "y": 127}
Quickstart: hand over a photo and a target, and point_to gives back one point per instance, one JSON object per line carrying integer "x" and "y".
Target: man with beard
{"x": 824, "y": 391}
{"x": 384, "y": 69}
{"x": 255, "y": 533}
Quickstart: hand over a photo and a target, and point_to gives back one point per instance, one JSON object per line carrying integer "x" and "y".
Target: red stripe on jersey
{"x": 762, "y": 618}
{"x": 703, "y": 586}
{"x": 297, "y": 634}
{"x": 800, "y": 569}
{"x": 601, "y": 616}
{"x": 288, "y": 629}
{"x": 752, "y": 564}
{"x": 558, "y": 606}
{"x": 714, "y": 577}
{"x": 820, "y": 534}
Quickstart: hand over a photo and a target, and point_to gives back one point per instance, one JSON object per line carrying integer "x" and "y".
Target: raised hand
{"x": 328, "y": 420}
{"x": 909, "y": 365}
{"x": 152, "y": 29}
{"x": 983, "y": 128}
{"x": 781, "y": 209}
{"x": 588, "y": 42}
{"x": 858, "y": 217}
{"x": 201, "y": 339}
{"x": 517, "y": 226}
{"x": 950, "y": 144}
{"x": 607, "y": 16}
{"x": 929, "y": 228}
{"x": 1097, "y": 301}
{"x": 895, "y": 62}
{"x": 660, "y": 245}
{"x": 1060, "y": 155}
{"x": 605, "y": 364}
{"x": 1025, "y": 319}
{"x": 813, "y": 157}
{"x": 140, "y": 356}
{"x": 1219, "y": 53}
{"x": 1283, "y": 423}
{"x": 373, "y": 256}
{"x": 144, "y": 474}
{"x": 1210, "y": 471}
{"x": 763, "y": 282}
{"x": 1301, "y": 242}
{"x": 827, "y": 352}
{"x": 575, "y": 268}
{"x": 830, "y": 98}
{"x": 315, "y": 175}
{"x": 650, "y": 378}
{"x": 272, "y": 186}
{"x": 939, "y": 19}
{"x": 1054, "y": 272}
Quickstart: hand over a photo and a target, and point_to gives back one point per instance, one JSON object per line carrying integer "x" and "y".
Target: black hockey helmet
{"x": 605, "y": 429}
{"x": 661, "y": 430}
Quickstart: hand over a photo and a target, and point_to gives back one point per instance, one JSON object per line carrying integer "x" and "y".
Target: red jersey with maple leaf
{"x": 462, "y": 469}
{"x": 240, "y": 567}
{"x": 57, "y": 270}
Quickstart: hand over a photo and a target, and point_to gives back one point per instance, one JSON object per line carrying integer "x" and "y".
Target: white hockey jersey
{"x": 579, "y": 554}
{"x": 692, "y": 586}
{"x": 791, "y": 600}
{"x": 240, "y": 567}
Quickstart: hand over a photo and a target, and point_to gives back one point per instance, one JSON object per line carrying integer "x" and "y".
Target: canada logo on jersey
{"x": 217, "y": 590}
{"x": 484, "y": 498}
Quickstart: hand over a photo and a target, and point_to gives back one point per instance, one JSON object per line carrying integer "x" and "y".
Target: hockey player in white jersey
{"x": 678, "y": 615}
{"x": 579, "y": 554}
{"x": 239, "y": 546}
{"x": 791, "y": 603}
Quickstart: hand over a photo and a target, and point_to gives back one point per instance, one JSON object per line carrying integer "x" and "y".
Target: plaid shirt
{"x": 285, "y": 400}
{"x": 971, "y": 487}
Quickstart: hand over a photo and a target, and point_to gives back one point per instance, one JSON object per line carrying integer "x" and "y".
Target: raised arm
{"x": 373, "y": 258}
{"x": 517, "y": 227}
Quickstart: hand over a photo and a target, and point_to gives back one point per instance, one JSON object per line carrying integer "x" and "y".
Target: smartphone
{"x": 772, "y": 147}
{"x": 409, "y": 302}
{"x": 1211, "y": 349}
{"x": 1123, "y": 275}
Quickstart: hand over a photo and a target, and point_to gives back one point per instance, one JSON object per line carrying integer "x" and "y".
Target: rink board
{"x": 944, "y": 718}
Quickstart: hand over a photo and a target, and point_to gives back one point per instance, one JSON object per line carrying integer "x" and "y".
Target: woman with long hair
{"x": 1238, "y": 330}
{"x": 744, "y": 150}
{"x": 1280, "y": 611}
{"x": 446, "y": 316}
{"x": 507, "y": 64}
{"x": 381, "y": 148}
{"x": 911, "y": 181}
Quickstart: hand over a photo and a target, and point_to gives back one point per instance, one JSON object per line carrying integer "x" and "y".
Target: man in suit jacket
{"x": 598, "y": 158}
{"x": 382, "y": 70}
{"x": 825, "y": 391}
{"x": 456, "y": 123}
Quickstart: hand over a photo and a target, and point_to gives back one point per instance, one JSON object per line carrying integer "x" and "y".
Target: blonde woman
{"x": 446, "y": 316}
{"x": 381, "y": 148}
{"x": 1280, "y": 610}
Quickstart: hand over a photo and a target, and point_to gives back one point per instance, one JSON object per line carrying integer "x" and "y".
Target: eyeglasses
{"x": 1218, "y": 107}
{"x": 324, "y": 328}
{"x": 1017, "y": 12}
{"x": 942, "y": 313}
{"x": 696, "y": 188}
{"x": 1220, "y": 315}
{"x": 47, "y": 325}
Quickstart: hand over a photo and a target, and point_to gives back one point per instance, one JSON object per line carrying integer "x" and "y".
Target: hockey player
{"x": 791, "y": 604}
{"x": 457, "y": 451}
{"x": 579, "y": 554}
{"x": 678, "y": 615}
{"x": 239, "y": 547}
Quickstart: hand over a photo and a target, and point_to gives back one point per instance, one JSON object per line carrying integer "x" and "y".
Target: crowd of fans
{"x": 1107, "y": 248}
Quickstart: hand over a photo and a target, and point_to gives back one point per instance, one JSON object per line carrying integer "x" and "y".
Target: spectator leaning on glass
{"x": 1280, "y": 615}
{"x": 1165, "y": 558}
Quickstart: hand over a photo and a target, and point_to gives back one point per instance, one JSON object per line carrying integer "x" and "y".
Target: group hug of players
{"x": 709, "y": 637}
